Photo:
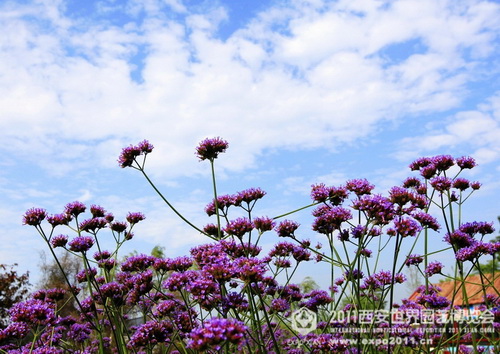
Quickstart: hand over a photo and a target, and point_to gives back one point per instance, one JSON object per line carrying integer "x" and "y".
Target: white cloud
{"x": 477, "y": 130}
{"x": 308, "y": 75}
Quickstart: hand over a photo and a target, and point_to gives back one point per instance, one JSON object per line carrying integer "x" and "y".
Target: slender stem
{"x": 170, "y": 205}
{"x": 216, "y": 204}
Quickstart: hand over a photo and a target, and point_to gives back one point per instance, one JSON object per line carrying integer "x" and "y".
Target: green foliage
{"x": 53, "y": 277}
{"x": 14, "y": 288}
{"x": 308, "y": 284}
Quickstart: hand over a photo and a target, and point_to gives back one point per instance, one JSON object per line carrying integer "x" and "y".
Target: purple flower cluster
{"x": 34, "y": 216}
{"x": 131, "y": 153}
{"x": 215, "y": 333}
{"x": 433, "y": 268}
{"x": 81, "y": 244}
{"x": 209, "y": 149}
{"x": 224, "y": 297}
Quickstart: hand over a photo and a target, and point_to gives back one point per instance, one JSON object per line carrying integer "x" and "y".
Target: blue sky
{"x": 305, "y": 91}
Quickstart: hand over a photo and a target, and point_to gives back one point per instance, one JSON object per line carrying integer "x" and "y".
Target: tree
{"x": 54, "y": 278}
{"x": 308, "y": 285}
{"x": 414, "y": 277}
{"x": 14, "y": 288}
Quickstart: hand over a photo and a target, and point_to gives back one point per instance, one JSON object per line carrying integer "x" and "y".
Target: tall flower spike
{"x": 209, "y": 149}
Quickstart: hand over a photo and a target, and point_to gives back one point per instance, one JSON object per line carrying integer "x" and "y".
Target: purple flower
{"x": 433, "y": 301}
{"x": 376, "y": 207}
{"x": 286, "y": 228}
{"x": 407, "y": 227}
{"x": 250, "y": 269}
{"x": 461, "y": 184}
{"x": 151, "y": 333}
{"x": 75, "y": 208}
{"x": 466, "y": 162}
{"x": 414, "y": 259}
{"x": 400, "y": 195}
{"x": 211, "y": 229}
{"x": 134, "y": 218}
{"x": 59, "y": 241}
{"x": 280, "y": 305}
{"x": 179, "y": 280}
{"x": 476, "y": 250}
{"x": 321, "y": 194}
{"x": 420, "y": 162}
{"x": 353, "y": 274}
{"x": 433, "y": 268}
{"x": 474, "y": 227}
{"x": 138, "y": 263}
{"x": 33, "y": 312}
{"x": 412, "y": 182}
{"x": 85, "y": 274}
{"x": 114, "y": 291}
{"x": 118, "y": 226}
{"x": 427, "y": 220}
{"x": 80, "y": 332}
{"x": 130, "y": 153}
{"x": 34, "y": 216}
{"x": 359, "y": 186}
{"x": 209, "y": 149}
{"x": 263, "y": 224}
{"x": 97, "y": 211}
{"x": 282, "y": 249}
{"x": 59, "y": 219}
{"x": 92, "y": 225}
{"x": 330, "y": 219}
{"x": 475, "y": 185}
{"x": 223, "y": 204}
{"x": 300, "y": 254}
{"x": 145, "y": 146}
{"x": 459, "y": 239}
{"x": 81, "y": 244}
{"x": 441, "y": 183}
{"x": 216, "y": 332}
{"x": 316, "y": 298}
{"x": 17, "y": 330}
{"x": 248, "y": 196}
{"x": 365, "y": 252}
{"x": 107, "y": 264}
{"x": 428, "y": 171}
{"x": 238, "y": 227}
{"x": 443, "y": 162}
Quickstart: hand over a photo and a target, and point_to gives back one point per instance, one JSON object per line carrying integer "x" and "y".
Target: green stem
{"x": 171, "y": 206}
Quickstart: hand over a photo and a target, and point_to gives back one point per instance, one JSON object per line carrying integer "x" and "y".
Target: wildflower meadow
{"x": 228, "y": 295}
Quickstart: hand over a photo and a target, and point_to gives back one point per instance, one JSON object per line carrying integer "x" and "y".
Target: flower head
{"x": 59, "y": 219}
{"x": 433, "y": 268}
{"x": 263, "y": 224}
{"x": 81, "y": 244}
{"x": 130, "y": 153}
{"x": 466, "y": 162}
{"x": 286, "y": 228}
{"x": 75, "y": 208}
{"x": 359, "y": 186}
{"x": 215, "y": 332}
{"x": 59, "y": 241}
{"x": 248, "y": 196}
{"x": 414, "y": 259}
{"x": 34, "y": 216}
{"x": 238, "y": 227}
{"x": 134, "y": 218}
{"x": 209, "y": 149}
